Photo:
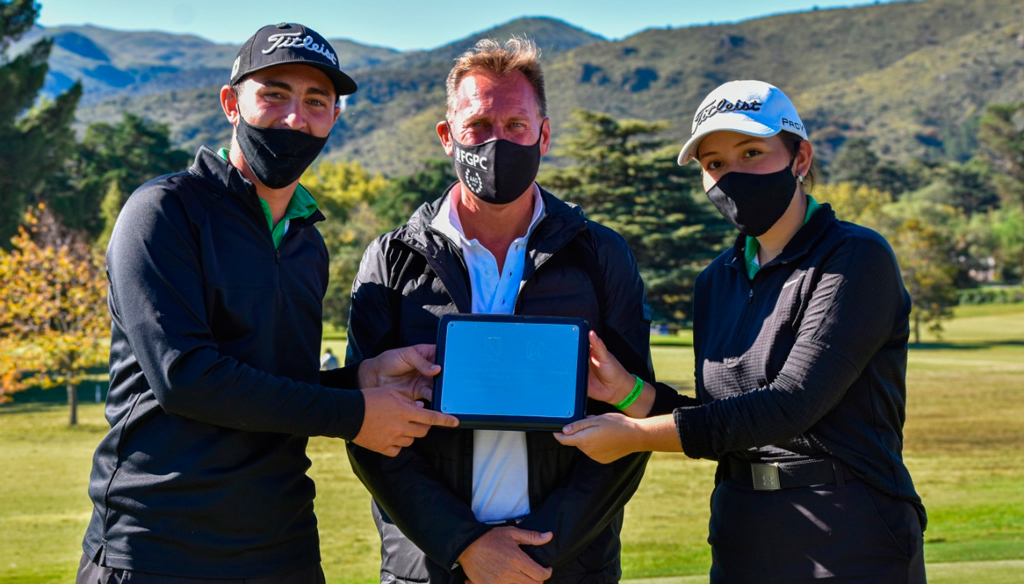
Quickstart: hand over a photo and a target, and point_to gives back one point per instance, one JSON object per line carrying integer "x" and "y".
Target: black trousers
{"x": 91, "y": 573}
{"x": 850, "y": 533}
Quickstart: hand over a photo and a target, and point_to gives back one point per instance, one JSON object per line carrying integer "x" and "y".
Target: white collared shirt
{"x": 500, "y": 467}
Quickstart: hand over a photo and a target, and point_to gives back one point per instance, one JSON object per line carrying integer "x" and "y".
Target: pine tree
{"x": 129, "y": 153}
{"x": 1002, "y": 135}
{"x": 35, "y": 140}
{"x": 404, "y": 194}
{"x": 858, "y": 164}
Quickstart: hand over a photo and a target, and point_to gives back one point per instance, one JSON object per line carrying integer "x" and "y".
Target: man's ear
{"x": 229, "y": 103}
{"x": 444, "y": 132}
{"x": 545, "y": 136}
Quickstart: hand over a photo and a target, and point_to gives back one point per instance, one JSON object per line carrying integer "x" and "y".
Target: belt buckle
{"x": 765, "y": 475}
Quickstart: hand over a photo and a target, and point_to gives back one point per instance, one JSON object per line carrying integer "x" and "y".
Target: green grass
{"x": 1001, "y": 572}
{"x": 964, "y": 434}
{"x": 683, "y": 338}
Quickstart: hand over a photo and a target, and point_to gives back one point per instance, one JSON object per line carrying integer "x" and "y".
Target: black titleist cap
{"x": 280, "y": 44}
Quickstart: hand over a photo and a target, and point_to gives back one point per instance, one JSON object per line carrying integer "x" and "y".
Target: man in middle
{"x": 488, "y": 506}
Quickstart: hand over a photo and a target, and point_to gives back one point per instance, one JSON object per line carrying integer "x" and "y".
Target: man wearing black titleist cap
{"x": 217, "y": 276}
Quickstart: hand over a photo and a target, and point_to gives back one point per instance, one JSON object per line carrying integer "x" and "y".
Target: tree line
{"x": 952, "y": 225}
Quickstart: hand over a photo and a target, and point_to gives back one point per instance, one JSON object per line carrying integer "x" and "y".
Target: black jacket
{"x": 408, "y": 279}
{"x": 808, "y": 359}
{"x": 214, "y": 361}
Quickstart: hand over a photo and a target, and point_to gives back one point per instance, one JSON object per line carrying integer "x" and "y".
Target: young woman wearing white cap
{"x": 800, "y": 337}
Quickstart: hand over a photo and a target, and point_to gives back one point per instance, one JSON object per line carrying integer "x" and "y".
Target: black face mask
{"x": 753, "y": 202}
{"x": 497, "y": 171}
{"x": 277, "y": 157}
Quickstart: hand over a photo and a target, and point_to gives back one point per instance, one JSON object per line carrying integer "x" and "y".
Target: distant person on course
{"x": 328, "y": 361}
{"x": 217, "y": 277}
{"x": 487, "y": 506}
{"x": 800, "y": 337}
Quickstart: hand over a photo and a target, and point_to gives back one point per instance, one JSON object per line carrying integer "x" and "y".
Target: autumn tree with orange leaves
{"x": 53, "y": 311}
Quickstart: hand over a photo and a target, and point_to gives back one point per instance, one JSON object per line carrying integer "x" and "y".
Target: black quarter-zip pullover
{"x": 214, "y": 370}
{"x": 808, "y": 358}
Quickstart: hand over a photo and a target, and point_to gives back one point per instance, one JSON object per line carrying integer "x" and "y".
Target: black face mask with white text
{"x": 277, "y": 156}
{"x": 497, "y": 171}
{"x": 753, "y": 202}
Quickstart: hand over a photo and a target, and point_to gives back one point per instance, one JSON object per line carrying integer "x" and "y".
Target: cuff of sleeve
{"x": 694, "y": 434}
{"x": 351, "y": 408}
{"x": 346, "y": 377}
{"x": 666, "y": 400}
{"x": 476, "y": 532}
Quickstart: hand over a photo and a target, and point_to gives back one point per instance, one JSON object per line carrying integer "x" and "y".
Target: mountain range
{"x": 914, "y": 77}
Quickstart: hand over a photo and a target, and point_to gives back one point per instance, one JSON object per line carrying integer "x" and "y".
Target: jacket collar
{"x": 447, "y": 221}
{"x": 800, "y": 245}
{"x": 560, "y": 223}
{"x": 213, "y": 168}
{"x": 228, "y": 181}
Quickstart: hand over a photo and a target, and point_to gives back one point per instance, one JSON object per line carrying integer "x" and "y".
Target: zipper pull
{"x": 750, "y": 297}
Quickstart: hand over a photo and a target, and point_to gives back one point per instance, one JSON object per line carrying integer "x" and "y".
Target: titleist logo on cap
{"x": 724, "y": 105}
{"x": 292, "y": 40}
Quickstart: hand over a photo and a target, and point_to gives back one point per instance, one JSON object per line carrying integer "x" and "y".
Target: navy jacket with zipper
{"x": 214, "y": 364}
{"x": 408, "y": 279}
{"x": 808, "y": 359}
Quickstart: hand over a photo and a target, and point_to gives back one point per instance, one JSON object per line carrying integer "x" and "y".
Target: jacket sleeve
{"x": 156, "y": 296}
{"x": 853, "y": 311}
{"x": 593, "y": 494}
{"x": 667, "y": 399}
{"x": 406, "y": 485}
{"x": 346, "y": 377}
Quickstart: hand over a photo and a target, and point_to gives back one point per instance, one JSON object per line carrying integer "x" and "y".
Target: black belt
{"x": 773, "y": 476}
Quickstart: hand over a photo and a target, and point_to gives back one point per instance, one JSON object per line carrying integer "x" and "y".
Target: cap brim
{"x": 343, "y": 84}
{"x": 729, "y": 122}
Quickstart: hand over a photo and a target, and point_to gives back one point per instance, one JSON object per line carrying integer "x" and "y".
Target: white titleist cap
{"x": 749, "y": 107}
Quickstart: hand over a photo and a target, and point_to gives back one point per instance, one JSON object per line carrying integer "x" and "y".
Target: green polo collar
{"x": 750, "y": 251}
{"x": 300, "y": 206}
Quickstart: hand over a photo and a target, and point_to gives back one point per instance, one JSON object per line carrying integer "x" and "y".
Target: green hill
{"x": 895, "y": 72}
{"x": 114, "y": 63}
{"x": 913, "y": 76}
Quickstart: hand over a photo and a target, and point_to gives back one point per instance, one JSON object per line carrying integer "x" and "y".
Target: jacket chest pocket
{"x": 789, "y": 302}
{"x": 562, "y": 292}
{"x": 782, "y": 324}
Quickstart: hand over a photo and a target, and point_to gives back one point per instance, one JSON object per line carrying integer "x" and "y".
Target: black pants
{"x": 90, "y": 573}
{"x": 850, "y": 533}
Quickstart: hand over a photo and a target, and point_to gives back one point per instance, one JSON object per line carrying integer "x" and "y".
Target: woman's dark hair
{"x": 792, "y": 142}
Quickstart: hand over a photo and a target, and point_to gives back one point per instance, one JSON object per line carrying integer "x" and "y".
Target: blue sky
{"x": 406, "y": 24}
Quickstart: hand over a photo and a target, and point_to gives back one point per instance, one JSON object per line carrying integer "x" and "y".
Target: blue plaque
{"x": 512, "y": 372}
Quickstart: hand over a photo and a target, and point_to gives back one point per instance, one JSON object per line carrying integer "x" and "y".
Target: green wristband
{"x": 637, "y": 388}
